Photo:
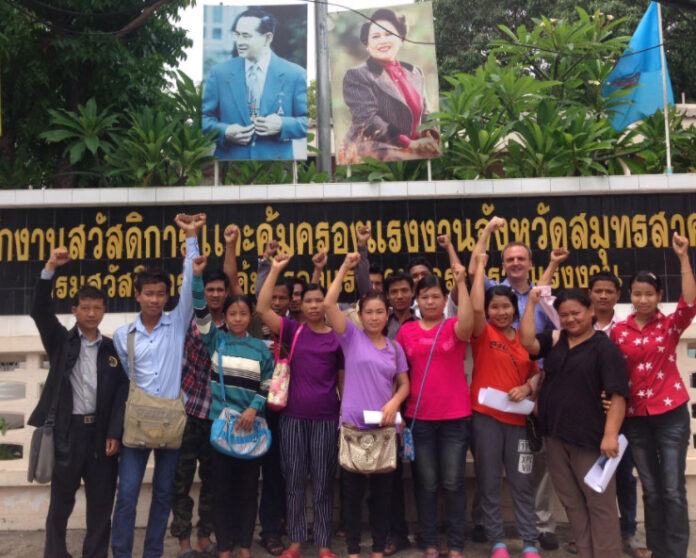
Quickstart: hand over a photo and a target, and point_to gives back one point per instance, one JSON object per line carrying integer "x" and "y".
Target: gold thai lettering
{"x": 659, "y": 230}
{"x": 285, "y": 235}
{"x": 134, "y": 243}
{"x": 558, "y": 232}
{"x": 519, "y": 228}
{"x": 678, "y": 224}
{"x": 429, "y": 236}
{"x": 621, "y": 225}
{"x": 22, "y": 241}
{"x": 38, "y": 234}
{"x": 411, "y": 236}
{"x": 394, "y": 236}
{"x": 6, "y": 245}
{"x": 114, "y": 242}
{"x": 639, "y": 226}
{"x": 341, "y": 238}
{"x": 77, "y": 242}
{"x": 248, "y": 234}
{"x": 98, "y": 244}
{"x": 579, "y": 232}
{"x": 377, "y": 242}
{"x": 322, "y": 236}
{"x": 264, "y": 234}
{"x": 153, "y": 238}
{"x": 305, "y": 238}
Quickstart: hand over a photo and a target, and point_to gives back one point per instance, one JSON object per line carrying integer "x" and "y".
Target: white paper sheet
{"x": 373, "y": 417}
{"x": 499, "y": 400}
{"x": 599, "y": 476}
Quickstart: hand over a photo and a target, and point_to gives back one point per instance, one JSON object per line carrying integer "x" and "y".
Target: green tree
{"x": 463, "y": 31}
{"x": 58, "y": 57}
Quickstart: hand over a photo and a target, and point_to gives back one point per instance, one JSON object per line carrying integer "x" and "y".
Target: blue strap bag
{"x": 408, "y": 449}
{"x": 243, "y": 444}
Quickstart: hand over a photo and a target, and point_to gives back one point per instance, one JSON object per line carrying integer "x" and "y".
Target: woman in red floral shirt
{"x": 657, "y": 421}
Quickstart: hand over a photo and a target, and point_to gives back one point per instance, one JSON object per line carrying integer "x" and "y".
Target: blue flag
{"x": 639, "y": 67}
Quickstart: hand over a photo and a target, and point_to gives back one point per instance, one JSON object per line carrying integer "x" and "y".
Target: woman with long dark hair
{"x": 657, "y": 421}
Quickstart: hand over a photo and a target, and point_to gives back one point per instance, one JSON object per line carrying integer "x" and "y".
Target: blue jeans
{"x": 659, "y": 444}
{"x": 440, "y": 448}
{"x": 626, "y": 495}
{"x": 131, "y": 468}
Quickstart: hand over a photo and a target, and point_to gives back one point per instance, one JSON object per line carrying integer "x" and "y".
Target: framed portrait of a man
{"x": 255, "y": 81}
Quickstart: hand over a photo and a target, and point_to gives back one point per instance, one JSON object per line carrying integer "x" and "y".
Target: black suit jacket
{"x": 112, "y": 381}
{"x": 377, "y": 107}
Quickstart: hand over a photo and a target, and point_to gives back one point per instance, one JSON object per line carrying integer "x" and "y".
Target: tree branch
{"x": 141, "y": 19}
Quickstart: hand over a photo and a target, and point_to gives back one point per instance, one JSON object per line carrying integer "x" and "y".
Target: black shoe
{"x": 478, "y": 534}
{"x": 548, "y": 540}
{"x": 396, "y": 545}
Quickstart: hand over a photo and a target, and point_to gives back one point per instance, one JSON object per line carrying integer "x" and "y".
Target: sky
{"x": 192, "y": 21}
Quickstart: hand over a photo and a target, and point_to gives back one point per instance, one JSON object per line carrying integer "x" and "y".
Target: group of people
{"x": 400, "y": 350}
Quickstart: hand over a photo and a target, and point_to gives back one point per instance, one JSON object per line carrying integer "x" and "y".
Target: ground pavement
{"x": 29, "y": 544}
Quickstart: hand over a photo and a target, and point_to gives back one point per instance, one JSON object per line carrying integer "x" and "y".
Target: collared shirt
{"x": 262, "y": 65}
{"x": 158, "y": 353}
{"x": 195, "y": 374}
{"x": 83, "y": 378}
{"x": 394, "y": 324}
{"x": 655, "y": 385}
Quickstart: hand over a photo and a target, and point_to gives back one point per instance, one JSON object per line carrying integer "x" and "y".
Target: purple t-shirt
{"x": 313, "y": 373}
{"x": 369, "y": 378}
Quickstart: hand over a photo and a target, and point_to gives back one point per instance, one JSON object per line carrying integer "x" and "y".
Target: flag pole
{"x": 663, "y": 66}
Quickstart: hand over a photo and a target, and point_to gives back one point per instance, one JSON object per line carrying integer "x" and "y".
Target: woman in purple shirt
{"x": 372, "y": 364}
{"x": 308, "y": 425}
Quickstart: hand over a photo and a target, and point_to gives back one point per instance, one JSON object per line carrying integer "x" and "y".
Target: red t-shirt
{"x": 446, "y": 393}
{"x": 654, "y": 383}
{"x": 502, "y": 364}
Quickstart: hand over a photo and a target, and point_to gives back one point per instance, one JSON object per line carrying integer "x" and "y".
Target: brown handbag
{"x": 367, "y": 451}
{"x": 151, "y": 421}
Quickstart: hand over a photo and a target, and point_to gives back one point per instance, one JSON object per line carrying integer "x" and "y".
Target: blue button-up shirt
{"x": 158, "y": 353}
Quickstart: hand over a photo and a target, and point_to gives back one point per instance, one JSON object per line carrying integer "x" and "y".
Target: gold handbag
{"x": 151, "y": 421}
{"x": 367, "y": 451}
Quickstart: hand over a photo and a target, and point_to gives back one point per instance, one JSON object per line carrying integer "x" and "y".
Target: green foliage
{"x": 534, "y": 108}
{"x": 87, "y": 130}
{"x": 53, "y": 60}
{"x": 372, "y": 170}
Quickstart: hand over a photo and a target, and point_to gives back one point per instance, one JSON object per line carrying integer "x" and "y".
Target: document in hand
{"x": 373, "y": 417}
{"x": 499, "y": 400}
{"x": 599, "y": 476}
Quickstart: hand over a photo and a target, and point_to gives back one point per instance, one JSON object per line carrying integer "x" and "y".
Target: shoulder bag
{"x": 368, "y": 451}
{"x": 280, "y": 382}
{"x": 151, "y": 421}
{"x": 42, "y": 453}
{"x": 408, "y": 449}
{"x": 243, "y": 444}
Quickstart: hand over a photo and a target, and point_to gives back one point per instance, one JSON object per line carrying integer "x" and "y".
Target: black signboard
{"x": 621, "y": 233}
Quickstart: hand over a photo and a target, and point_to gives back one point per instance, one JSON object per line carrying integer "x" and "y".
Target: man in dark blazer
{"x": 93, "y": 388}
{"x": 257, "y": 101}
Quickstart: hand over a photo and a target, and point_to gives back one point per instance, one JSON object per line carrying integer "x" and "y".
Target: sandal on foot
{"x": 633, "y": 546}
{"x": 396, "y": 545}
{"x": 455, "y": 554}
{"x": 273, "y": 545}
{"x": 187, "y": 553}
{"x": 289, "y": 553}
{"x": 431, "y": 554}
{"x": 572, "y": 547}
{"x": 530, "y": 552}
{"x": 500, "y": 550}
{"x": 327, "y": 554}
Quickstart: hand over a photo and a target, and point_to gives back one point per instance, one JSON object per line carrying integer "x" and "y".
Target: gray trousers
{"x": 497, "y": 444}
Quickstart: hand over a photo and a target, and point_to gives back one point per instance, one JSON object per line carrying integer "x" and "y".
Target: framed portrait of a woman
{"x": 384, "y": 84}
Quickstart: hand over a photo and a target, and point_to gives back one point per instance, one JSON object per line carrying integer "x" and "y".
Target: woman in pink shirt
{"x": 657, "y": 421}
{"x": 442, "y": 425}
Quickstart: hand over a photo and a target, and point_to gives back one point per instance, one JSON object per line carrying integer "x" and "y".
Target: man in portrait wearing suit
{"x": 257, "y": 101}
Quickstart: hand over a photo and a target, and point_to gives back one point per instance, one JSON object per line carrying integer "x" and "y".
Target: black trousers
{"x": 272, "y": 507}
{"x": 78, "y": 457}
{"x": 398, "y": 528}
{"x": 379, "y": 503}
{"x": 235, "y": 487}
